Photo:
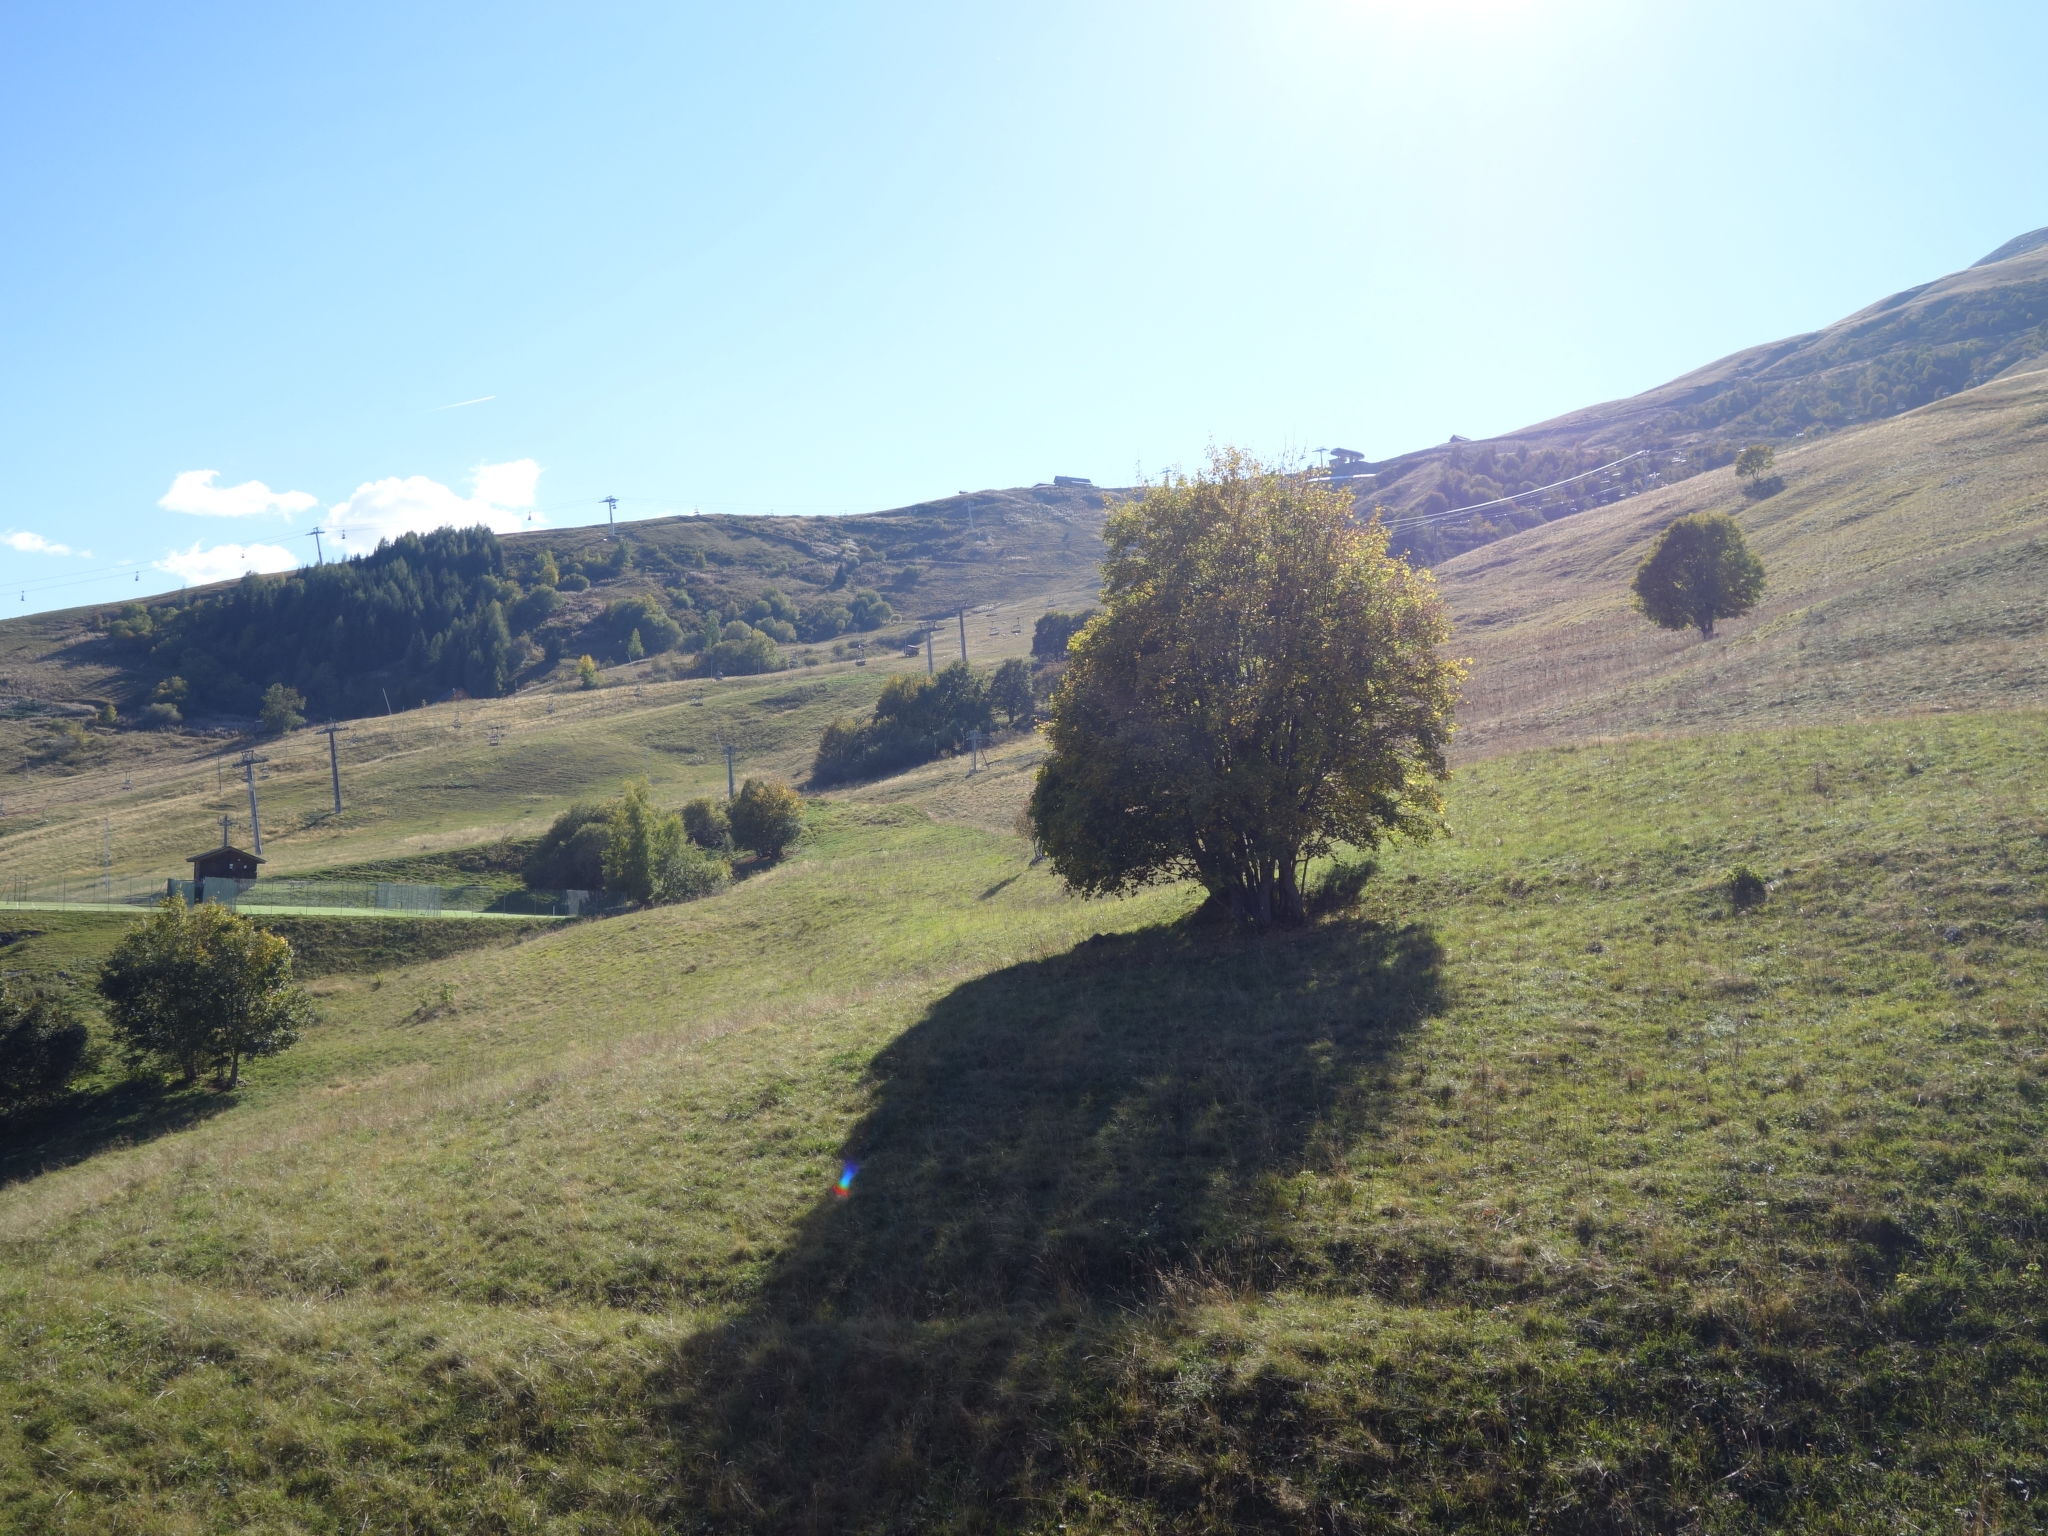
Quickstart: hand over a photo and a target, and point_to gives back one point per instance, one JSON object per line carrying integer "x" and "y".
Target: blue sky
{"x": 270, "y": 268}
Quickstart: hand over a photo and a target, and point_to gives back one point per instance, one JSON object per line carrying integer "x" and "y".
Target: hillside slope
{"x": 447, "y": 775}
{"x": 1545, "y": 1194}
{"x": 1921, "y": 345}
{"x": 929, "y": 560}
{"x": 1907, "y": 562}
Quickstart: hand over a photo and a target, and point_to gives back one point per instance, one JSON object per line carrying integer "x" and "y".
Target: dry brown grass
{"x": 1906, "y": 561}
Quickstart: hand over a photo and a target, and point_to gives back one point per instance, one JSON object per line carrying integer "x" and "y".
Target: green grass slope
{"x": 449, "y": 776}
{"x": 1543, "y": 1192}
{"x": 1906, "y": 561}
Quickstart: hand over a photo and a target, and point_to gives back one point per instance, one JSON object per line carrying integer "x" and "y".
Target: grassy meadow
{"x": 1537, "y": 1188}
{"x": 453, "y": 776}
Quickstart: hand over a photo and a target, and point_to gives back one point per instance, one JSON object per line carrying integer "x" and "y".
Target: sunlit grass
{"x": 1545, "y": 1191}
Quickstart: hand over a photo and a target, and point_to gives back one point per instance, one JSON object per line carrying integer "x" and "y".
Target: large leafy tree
{"x": 1700, "y": 571}
{"x": 1263, "y": 683}
{"x": 199, "y": 988}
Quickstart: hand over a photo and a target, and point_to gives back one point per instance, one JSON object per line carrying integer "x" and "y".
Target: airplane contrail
{"x": 459, "y": 404}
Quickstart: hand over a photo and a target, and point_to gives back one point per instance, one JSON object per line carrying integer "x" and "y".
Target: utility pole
{"x": 319, "y": 554}
{"x": 330, "y": 730}
{"x": 931, "y": 632}
{"x": 248, "y": 761}
{"x": 611, "y": 516}
{"x": 963, "y": 634}
{"x": 728, "y": 768}
{"x": 107, "y": 857}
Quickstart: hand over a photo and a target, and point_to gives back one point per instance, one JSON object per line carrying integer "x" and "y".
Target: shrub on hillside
{"x": 281, "y": 710}
{"x": 197, "y": 989}
{"x": 916, "y": 719}
{"x": 741, "y": 651}
{"x": 42, "y": 1044}
{"x": 575, "y": 581}
{"x": 644, "y": 617}
{"x": 706, "y": 824}
{"x": 869, "y": 609}
{"x": 641, "y": 842}
{"x": 1746, "y": 889}
{"x": 570, "y": 855}
{"x": 767, "y": 816}
{"x": 688, "y": 872}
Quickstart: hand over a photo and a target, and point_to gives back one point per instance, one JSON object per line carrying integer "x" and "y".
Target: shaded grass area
{"x": 1542, "y": 1190}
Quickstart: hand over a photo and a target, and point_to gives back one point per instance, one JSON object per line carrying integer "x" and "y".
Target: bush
{"x": 575, "y": 581}
{"x": 586, "y": 671}
{"x": 570, "y": 856}
{"x": 282, "y": 709}
{"x": 199, "y": 988}
{"x": 706, "y": 824}
{"x": 1746, "y": 889}
{"x": 161, "y": 716}
{"x": 640, "y": 616}
{"x": 640, "y": 845}
{"x": 688, "y": 872}
{"x": 42, "y": 1044}
{"x": 916, "y": 719}
{"x": 741, "y": 651}
{"x": 868, "y": 609}
{"x": 767, "y": 816}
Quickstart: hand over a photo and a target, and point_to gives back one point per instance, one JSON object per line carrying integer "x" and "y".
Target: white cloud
{"x": 507, "y": 485}
{"x": 36, "y": 544}
{"x": 194, "y": 492}
{"x": 384, "y": 509}
{"x": 223, "y": 562}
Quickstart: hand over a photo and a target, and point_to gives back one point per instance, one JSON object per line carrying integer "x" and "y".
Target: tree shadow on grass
{"x": 40, "y": 1141}
{"x": 1053, "y": 1150}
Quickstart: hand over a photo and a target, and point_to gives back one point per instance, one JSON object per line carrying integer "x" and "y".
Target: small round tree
{"x": 199, "y": 988}
{"x": 1010, "y": 690}
{"x": 1700, "y": 571}
{"x": 766, "y": 816}
{"x": 1264, "y": 682}
{"x": 281, "y": 710}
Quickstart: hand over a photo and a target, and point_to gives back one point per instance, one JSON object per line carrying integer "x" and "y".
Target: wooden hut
{"x": 226, "y": 862}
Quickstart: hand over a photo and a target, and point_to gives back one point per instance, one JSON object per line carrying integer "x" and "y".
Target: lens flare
{"x": 844, "y": 1186}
